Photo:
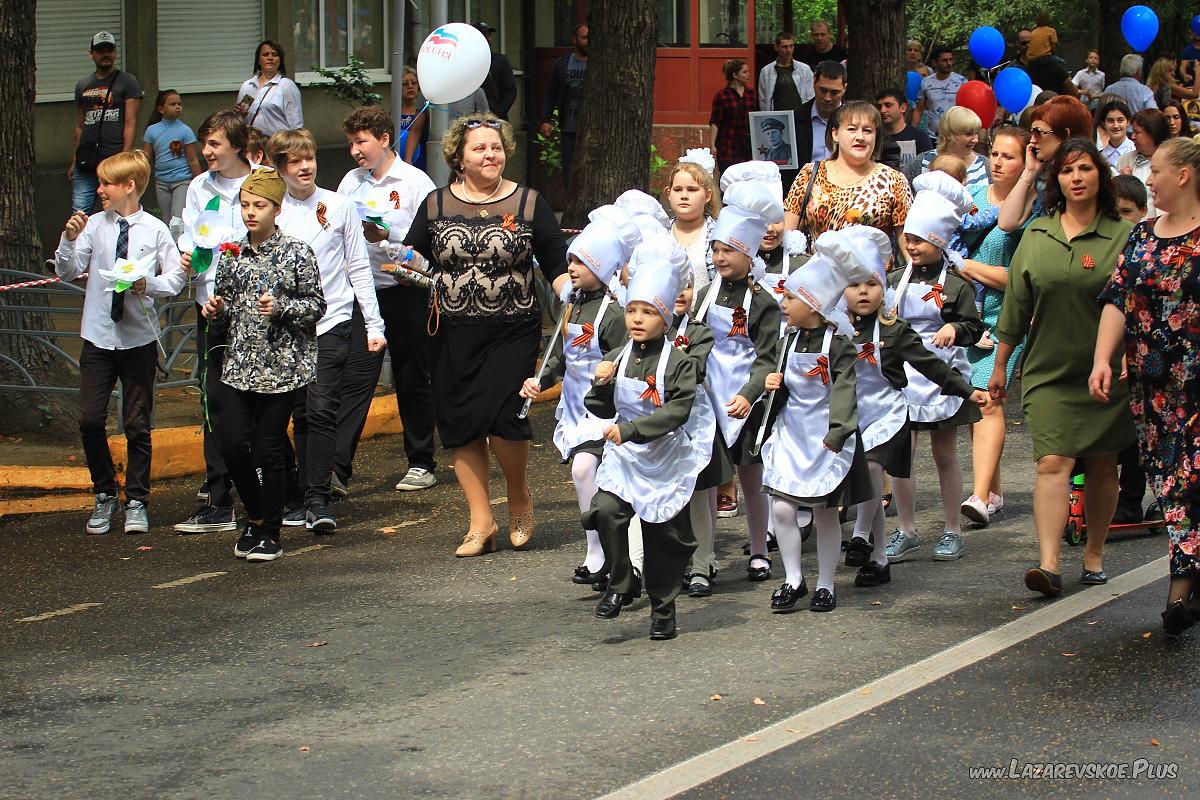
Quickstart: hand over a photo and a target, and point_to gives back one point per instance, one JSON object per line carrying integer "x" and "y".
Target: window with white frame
{"x": 64, "y": 34}
{"x": 328, "y": 32}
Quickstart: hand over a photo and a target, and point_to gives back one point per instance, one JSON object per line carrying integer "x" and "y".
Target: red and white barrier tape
{"x": 28, "y": 284}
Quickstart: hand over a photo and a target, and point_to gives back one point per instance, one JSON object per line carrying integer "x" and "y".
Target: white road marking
{"x": 303, "y": 550}
{"x": 702, "y": 768}
{"x": 203, "y": 576}
{"x": 62, "y": 612}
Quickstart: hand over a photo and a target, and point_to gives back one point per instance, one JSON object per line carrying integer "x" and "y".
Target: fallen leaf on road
{"x": 1017, "y": 422}
{"x": 758, "y": 701}
{"x": 750, "y": 739}
{"x": 1146, "y": 635}
{"x": 304, "y": 748}
{"x": 1018, "y": 608}
{"x": 876, "y": 603}
{"x": 388, "y": 530}
{"x": 715, "y": 697}
{"x": 1155, "y": 743}
{"x": 867, "y": 690}
{"x": 317, "y": 644}
{"x": 411, "y": 522}
{"x": 1068, "y": 655}
{"x": 513, "y": 578}
{"x": 144, "y": 548}
{"x": 123, "y": 558}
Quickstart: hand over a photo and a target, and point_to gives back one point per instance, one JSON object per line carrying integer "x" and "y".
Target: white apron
{"x": 657, "y": 478}
{"x": 577, "y": 425}
{"x": 777, "y": 289}
{"x": 729, "y": 362}
{"x": 882, "y": 408}
{"x": 795, "y": 459}
{"x": 921, "y": 307}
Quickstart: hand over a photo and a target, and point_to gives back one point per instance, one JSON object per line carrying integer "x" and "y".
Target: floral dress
{"x": 1157, "y": 285}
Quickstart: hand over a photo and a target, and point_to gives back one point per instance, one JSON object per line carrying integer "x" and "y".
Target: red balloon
{"x": 977, "y": 96}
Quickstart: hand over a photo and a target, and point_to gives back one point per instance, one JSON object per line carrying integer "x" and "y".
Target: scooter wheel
{"x": 1155, "y": 512}
{"x": 1071, "y": 534}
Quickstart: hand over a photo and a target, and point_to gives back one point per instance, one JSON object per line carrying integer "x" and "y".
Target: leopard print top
{"x": 881, "y": 200}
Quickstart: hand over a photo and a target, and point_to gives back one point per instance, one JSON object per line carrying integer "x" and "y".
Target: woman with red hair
{"x": 1051, "y": 124}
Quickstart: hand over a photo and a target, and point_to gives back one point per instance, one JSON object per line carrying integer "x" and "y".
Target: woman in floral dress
{"x": 1153, "y": 301}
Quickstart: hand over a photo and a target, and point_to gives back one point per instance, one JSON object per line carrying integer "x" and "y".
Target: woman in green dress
{"x": 1063, "y": 262}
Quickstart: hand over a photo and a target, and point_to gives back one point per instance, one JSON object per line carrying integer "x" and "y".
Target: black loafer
{"x": 636, "y": 591}
{"x": 758, "y": 573}
{"x": 663, "y": 629}
{"x": 858, "y": 550}
{"x": 1177, "y": 618}
{"x": 823, "y": 600}
{"x": 783, "y": 601}
{"x": 697, "y": 585}
{"x": 772, "y": 544}
{"x": 1094, "y": 578}
{"x": 610, "y": 604}
{"x": 872, "y": 574}
{"x": 1044, "y": 581}
{"x": 601, "y": 585}
{"x": 585, "y": 575}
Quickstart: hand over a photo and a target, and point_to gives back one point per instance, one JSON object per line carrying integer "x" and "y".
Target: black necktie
{"x": 118, "y": 298}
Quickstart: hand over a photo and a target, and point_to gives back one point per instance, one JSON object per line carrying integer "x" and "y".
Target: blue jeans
{"x": 83, "y": 191}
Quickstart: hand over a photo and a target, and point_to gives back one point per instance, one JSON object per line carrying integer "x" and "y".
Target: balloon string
{"x": 408, "y": 124}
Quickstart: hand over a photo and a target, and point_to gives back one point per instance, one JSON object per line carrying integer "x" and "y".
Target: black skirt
{"x": 968, "y": 414}
{"x": 855, "y": 488}
{"x": 896, "y": 454}
{"x": 477, "y": 371}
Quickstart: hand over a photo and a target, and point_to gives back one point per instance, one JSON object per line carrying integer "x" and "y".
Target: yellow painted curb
{"x": 46, "y": 504}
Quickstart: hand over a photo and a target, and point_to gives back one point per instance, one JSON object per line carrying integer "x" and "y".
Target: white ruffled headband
{"x": 701, "y": 157}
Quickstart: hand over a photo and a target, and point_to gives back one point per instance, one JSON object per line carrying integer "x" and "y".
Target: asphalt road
{"x": 372, "y": 664}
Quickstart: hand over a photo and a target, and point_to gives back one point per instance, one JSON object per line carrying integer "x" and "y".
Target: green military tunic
{"x": 612, "y": 333}
{"x": 678, "y": 396}
{"x": 1052, "y": 288}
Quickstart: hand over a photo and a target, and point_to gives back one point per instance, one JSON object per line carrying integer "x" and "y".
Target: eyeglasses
{"x": 1040, "y": 133}
{"x": 475, "y": 123}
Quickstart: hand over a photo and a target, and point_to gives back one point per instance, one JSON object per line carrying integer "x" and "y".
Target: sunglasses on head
{"x": 475, "y": 123}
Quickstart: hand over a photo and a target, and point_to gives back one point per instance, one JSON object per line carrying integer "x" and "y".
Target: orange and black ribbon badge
{"x": 867, "y": 353}
{"x": 585, "y": 338}
{"x": 394, "y": 199}
{"x": 779, "y": 286}
{"x": 321, "y": 215}
{"x": 681, "y": 341}
{"x": 935, "y": 294}
{"x": 651, "y": 392}
{"x": 739, "y": 323}
{"x": 509, "y": 223}
{"x": 1087, "y": 261}
{"x": 821, "y": 369}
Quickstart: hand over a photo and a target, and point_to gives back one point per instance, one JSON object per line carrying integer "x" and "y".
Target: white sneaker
{"x": 976, "y": 510}
{"x": 415, "y": 479}
{"x": 995, "y": 502}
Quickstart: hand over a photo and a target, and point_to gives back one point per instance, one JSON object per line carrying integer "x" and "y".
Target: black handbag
{"x": 87, "y": 154}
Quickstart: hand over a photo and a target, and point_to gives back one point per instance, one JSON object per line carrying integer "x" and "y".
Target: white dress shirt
{"x": 1113, "y": 154}
{"x": 96, "y": 247}
{"x": 802, "y": 75}
{"x": 203, "y": 188}
{"x": 328, "y": 223}
{"x": 276, "y": 105}
{"x": 819, "y": 151}
{"x": 396, "y": 196}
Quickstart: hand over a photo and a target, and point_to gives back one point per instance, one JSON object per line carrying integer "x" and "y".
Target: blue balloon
{"x": 986, "y": 46}
{"x": 1196, "y": 24}
{"x": 1139, "y": 26}
{"x": 913, "y": 86}
{"x": 1012, "y": 89}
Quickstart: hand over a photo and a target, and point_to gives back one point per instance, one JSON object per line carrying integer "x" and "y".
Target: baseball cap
{"x": 483, "y": 26}
{"x": 103, "y": 37}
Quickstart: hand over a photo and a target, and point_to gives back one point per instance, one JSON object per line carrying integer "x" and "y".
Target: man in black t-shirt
{"x": 910, "y": 142}
{"x": 823, "y": 48}
{"x": 106, "y": 104}
{"x": 499, "y": 86}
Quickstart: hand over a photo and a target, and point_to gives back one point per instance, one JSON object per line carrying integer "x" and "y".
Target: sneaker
{"x": 294, "y": 517}
{"x": 137, "y": 517}
{"x": 995, "y": 502}
{"x": 726, "y": 506}
{"x": 903, "y": 546}
{"x": 101, "y": 519}
{"x": 202, "y": 494}
{"x": 415, "y": 479}
{"x": 319, "y": 520}
{"x": 976, "y": 510}
{"x": 208, "y": 519}
{"x": 337, "y": 487}
{"x": 949, "y": 547}
{"x": 267, "y": 549}
{"x": 251, "y": 536}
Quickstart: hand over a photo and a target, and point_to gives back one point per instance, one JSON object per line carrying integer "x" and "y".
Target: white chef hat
{"x": 938, "y": 208}
{"x": 606, "y": 242}
{"x": 637, "y": 203}
{"x": 839, "y": 260}
{"x": 658, "y": 271}
{"x": 765, "y": 172}
{"x": 750, "y": 206}
{"x": 862, "y": 251}
{"x": 701, "y": 157}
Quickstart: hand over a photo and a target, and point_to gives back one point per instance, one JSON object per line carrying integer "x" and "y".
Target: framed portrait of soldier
{"x": 773, "y": 137}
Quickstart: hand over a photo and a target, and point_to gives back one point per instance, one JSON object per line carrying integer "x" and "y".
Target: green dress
{"x": 1052, "y": 288}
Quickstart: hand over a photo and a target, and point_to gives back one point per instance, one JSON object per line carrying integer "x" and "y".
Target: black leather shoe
{"x": 1128, "y": 516}
{"x": 1094, "y": 578}
{"x": 1044, "y": 581}
{"x": 585, "y": 575}
{"x": 601, "y": 585}
{"x": 772, "y": 544}
{"x": 636, "y": 591}
{"x": 823, "y": 600}
{"x": 610, "y": 604}
{"x": 662, "y": 629}
{"x": 858, "y": 550}
{"x": 783, "y": 601}
{"x": 758, "y": 573}
{"x": 697, "y": 585}
{"x": 1177, "y": 618}
{"x": 872, "y": 574}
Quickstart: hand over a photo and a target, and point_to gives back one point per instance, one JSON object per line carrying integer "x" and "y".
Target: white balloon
{"x": 452, "y": 63}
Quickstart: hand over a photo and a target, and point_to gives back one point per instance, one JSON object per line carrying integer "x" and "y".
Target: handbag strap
{"x": 104, "y": 108}
{"x": 812, "y": 178}
{"x": 262, "y": 98}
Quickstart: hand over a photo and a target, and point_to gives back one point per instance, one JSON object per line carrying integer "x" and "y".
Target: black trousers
{"x": 99, "y": 371}
{"x": 361, "y": 378}
{"x": 253, "y": 433}
{"x": 668, "y": 550}
{"x": 405, "y": 310}
{"x": 210, "y": 355}
{"x": 1132, "y": 481}
{"x": 314, "y": 417}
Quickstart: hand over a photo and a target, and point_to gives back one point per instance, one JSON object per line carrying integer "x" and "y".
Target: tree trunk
{"x": 878, "y": 36}
{"x": 23, "y": 412}
{"x": 1112, "y": 42}
{"x": 616, "y": 110}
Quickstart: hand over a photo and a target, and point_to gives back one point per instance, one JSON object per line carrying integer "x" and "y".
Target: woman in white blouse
{"x": 269, "y": 100}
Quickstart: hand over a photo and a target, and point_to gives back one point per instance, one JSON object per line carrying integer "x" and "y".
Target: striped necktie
{"x": 118, "y": 298}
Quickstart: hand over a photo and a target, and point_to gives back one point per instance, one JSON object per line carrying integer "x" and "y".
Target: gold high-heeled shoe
{"x": 520, "y": 527}
{"x": 476, "y": 543}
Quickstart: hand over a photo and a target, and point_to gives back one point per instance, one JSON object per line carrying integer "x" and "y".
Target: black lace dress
{"x": 486, "y": 312}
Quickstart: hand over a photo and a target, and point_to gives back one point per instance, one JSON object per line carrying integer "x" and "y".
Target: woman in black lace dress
{"x": 480, "y": 235}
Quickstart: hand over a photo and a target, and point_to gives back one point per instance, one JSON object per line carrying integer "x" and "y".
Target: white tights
{"x": 583, "y": 475}
{"x": 870, "y": 516}
{"x": 945, "y": 456}
{"x": 756, "y": 503}
{"x": 789, "y": 520}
